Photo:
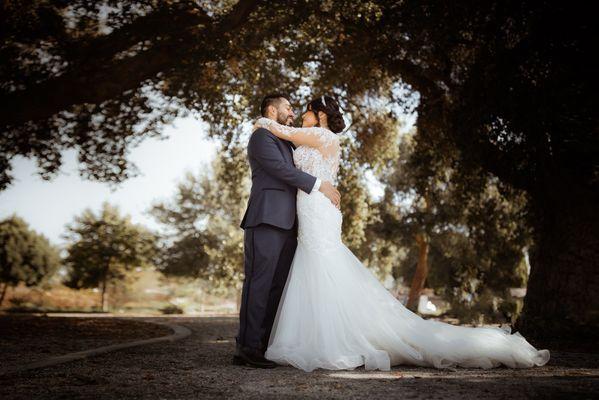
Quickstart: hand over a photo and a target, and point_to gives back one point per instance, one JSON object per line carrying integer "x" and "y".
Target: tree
{"x": 515, "y": 99}
{"x": 204, "y": 240}
{"x": 505, "y": 84}
{"x": 25, "y": 256}
{"x": 103, "y": 247}
{"x": 465, "y": 231}
{"x": 77, "y": 86}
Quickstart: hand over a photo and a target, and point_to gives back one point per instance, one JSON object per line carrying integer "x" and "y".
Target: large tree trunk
{"x": 421, "y": 272}
{"x": 562, "y": 299}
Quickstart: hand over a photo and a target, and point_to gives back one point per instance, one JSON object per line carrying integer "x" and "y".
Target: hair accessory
{"x": 323, "y": 102}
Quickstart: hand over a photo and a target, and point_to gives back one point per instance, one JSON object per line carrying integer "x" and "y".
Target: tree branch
{"x": 116, "y": 76}
{"x": 163, "y": 21}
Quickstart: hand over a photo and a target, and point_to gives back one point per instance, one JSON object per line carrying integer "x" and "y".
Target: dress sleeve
{"x": 314, "y": 136}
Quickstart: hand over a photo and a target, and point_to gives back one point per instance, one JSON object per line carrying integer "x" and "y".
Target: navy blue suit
{"x": 270, "y": 234}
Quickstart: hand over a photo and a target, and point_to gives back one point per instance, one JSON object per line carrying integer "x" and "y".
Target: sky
{"x": 47, "y": 206}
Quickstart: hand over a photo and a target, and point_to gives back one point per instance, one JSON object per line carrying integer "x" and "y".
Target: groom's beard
{"x": 287, "y": 121}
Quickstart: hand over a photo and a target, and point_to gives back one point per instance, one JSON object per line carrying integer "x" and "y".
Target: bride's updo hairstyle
{"x": 330, "y": 107}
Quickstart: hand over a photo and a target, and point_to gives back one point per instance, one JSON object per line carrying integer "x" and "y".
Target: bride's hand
{"x": 271, "y": 127}
{"x": 260, "y": 123}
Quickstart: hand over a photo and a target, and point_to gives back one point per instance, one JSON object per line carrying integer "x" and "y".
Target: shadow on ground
{"x": 199, "y": 367}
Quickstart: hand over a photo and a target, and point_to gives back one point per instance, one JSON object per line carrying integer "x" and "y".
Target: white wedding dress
{"x": 335, "y": 314}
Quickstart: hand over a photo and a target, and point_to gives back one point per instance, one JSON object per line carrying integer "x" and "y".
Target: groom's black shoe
{"x": 252, "y": 358}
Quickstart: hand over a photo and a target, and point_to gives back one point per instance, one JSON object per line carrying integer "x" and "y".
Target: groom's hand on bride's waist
{"x": 331, "y": 192}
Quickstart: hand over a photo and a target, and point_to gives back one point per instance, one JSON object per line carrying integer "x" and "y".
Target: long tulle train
{"x": 335, "y": 314}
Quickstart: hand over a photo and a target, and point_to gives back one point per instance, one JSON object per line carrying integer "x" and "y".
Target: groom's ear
{"x": 271, "y": 110}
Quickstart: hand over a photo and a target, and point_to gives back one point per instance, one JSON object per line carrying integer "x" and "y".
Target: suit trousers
{"x": 268, "y": 253}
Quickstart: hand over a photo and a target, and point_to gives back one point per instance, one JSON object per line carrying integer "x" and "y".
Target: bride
{"x": 334, "y": 313}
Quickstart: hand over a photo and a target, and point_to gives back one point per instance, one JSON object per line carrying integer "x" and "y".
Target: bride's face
{"x": 309, "y": 119}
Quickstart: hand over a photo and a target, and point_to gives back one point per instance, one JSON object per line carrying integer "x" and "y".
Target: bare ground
{"x": 30, "y": 338}
{"x": 200, "y": 367}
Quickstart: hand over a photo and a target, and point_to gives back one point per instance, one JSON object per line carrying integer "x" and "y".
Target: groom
{"x": 270, "y": 231}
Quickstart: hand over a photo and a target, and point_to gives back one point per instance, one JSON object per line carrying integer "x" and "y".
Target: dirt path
{"x": 28, "y": 338}
{"x": 199, "y": 367}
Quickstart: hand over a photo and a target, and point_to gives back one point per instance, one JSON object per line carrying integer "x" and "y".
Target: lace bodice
{"x": 310, "y": 160}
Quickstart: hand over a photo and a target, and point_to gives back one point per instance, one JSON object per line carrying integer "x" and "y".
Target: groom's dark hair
{"x": 270, "y": 100}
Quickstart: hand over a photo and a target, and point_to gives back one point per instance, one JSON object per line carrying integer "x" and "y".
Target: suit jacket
{"x": 275, "y": 181}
